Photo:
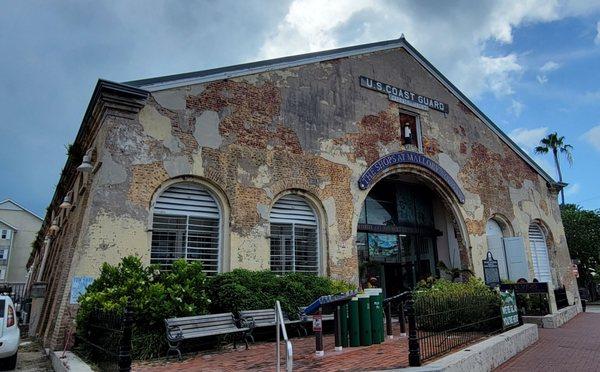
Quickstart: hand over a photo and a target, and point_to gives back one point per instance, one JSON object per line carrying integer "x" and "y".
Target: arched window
{"x": 294, "y": 236}
{"x": 186, "y": 224}
{"x": 539, "y": 253}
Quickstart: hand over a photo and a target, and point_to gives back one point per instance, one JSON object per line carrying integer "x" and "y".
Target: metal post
{"x": 125, "y": 344}
{"x": 318, "y": 334}
{"x": 388, "y": 320}
{"x": 277, "y": 338}
{"x": 402, "y": 319}
{"x": 338, "y": 328}
{"x": 414, "y": 352}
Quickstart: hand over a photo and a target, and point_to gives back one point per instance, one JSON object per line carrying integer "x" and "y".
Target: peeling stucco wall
{"x": 310, "y": 128}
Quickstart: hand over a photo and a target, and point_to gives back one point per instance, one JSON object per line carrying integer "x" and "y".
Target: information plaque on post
{"x": 491, "y": 272}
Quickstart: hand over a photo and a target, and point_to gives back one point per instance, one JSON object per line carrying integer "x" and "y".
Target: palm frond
{"x": 541, "y": 150}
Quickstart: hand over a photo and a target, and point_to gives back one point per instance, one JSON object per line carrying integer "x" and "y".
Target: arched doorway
{"x": 406, "y": 227}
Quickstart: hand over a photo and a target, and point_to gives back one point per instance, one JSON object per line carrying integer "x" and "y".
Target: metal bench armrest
{"x": 247, "y": 322}
{"x": 178, "y": 336}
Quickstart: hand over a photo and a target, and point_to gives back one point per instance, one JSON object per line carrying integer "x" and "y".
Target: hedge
{"x": 186, "y": 291}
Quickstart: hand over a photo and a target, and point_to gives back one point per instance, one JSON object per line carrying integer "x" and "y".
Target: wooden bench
{"x": 192, "y": 327}
{"x": 265, "y": 318}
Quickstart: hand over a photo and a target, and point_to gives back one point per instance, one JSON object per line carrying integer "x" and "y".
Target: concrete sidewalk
{"x": 573, "y": 347}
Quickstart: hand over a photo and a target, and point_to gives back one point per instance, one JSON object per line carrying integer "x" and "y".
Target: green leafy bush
{"x": 186, "y": 291}
{"x": 153, "y": 296}
{"x": 251, "y": 290}
{"x": 446, "y": 305}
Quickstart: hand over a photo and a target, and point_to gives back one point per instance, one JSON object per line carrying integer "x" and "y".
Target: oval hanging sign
{"x": 409, "y": 157}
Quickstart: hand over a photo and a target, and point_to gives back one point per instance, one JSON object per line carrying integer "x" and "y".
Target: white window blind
{"x": 539, "y": 253}
{"x": 294, "y": 238}
{"x": 186, "y": 224}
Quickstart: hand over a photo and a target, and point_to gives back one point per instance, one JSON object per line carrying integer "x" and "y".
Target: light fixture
{"x": 86, "y": 165}
{"x": 66, "y": 204}
{"x": 54, "y": 227}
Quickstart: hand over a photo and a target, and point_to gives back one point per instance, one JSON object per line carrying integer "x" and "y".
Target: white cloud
{"x": 592, "y": 137}
{"x": 572, "y": 189}
{"x": 452, "y": 35}
{"x": 597, "y": 39}
{"x": 516, "y": 108}
{"x": 548, "y": 67}
{"x": 542, "y": 79}
{"x": 526, "y": 138}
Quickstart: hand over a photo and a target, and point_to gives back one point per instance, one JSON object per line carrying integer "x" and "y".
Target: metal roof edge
{"x": 189, "y": 78}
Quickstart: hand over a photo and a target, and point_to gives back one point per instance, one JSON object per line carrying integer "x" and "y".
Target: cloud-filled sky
{"x": 532, "y": 66}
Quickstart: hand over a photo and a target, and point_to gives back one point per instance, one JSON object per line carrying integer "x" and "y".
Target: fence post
{"x": 125, "y": 344}
{"x": 414, "y": 352}
{"x": 402, "y": 319}
{"x": 388, "y": 320}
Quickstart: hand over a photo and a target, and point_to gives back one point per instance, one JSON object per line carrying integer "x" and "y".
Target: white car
{"x": 9, "y": 333}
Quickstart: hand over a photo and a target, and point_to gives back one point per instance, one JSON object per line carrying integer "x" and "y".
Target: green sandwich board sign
{"x": 510, "y": 313}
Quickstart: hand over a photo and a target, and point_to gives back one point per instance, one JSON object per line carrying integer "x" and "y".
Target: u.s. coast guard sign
{"x": 409, "y": 157}
{"x": 404, "y": 96}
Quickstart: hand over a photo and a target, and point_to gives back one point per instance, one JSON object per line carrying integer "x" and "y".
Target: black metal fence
{"x": 439, "y": 324}
{"x": 560, "y": 295}
{"x": 532, "y": 298}
{"x": 107, "y": 339}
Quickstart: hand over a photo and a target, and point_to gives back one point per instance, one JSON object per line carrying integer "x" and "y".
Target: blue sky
{"x": 532, "y": 66}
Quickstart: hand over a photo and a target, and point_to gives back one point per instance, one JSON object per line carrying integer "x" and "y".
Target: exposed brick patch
{"x": 490, "y": 174}
{"x": 383, "y": 128}
{"x": 252, "y": 116}
{"x": 145, "y": 179}
{"x": 183, "y": 132}
{"x": 431, "y": 146}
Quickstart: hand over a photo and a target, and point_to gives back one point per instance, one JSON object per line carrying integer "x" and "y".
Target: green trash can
{"x": 364, "y": 316}
{"x": 344, "y": 324}
{"x": 353, "y": 322}
{"x": 376, "y": 314}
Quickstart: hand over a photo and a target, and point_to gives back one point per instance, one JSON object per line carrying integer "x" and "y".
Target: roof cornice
{"x": 107, "y": 94}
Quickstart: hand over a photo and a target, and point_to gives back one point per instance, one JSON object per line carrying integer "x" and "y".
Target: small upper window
{"x": 294, "y": 236}
{"x": 186, "y": 225}
{"x": 410, "y": 133}
{"x": 5, "y": 234}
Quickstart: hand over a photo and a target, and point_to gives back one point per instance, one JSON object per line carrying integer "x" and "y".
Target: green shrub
{"x": 445, "y": 305}
{"x": 186, "y": 291}
{"x": 251, "y": 290}
{"x": 153, "y": 295}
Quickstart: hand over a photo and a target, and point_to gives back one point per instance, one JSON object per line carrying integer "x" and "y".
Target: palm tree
{"x": 556, "y": 144}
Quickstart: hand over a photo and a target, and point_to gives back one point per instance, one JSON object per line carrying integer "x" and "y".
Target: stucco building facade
{"x": 351, "y": 163}
{"x": 18, "y": 229}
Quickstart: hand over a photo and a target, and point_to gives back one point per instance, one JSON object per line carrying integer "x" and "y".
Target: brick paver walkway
{"x": 574, "y": 347}
{"x": 261, "y": 357}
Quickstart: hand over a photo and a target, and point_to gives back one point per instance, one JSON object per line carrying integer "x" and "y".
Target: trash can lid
{"x": 363, "y": 295}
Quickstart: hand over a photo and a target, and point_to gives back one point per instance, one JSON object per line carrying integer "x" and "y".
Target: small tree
{"x": 582, "y": 229}
{"x": 556, "y": 144}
